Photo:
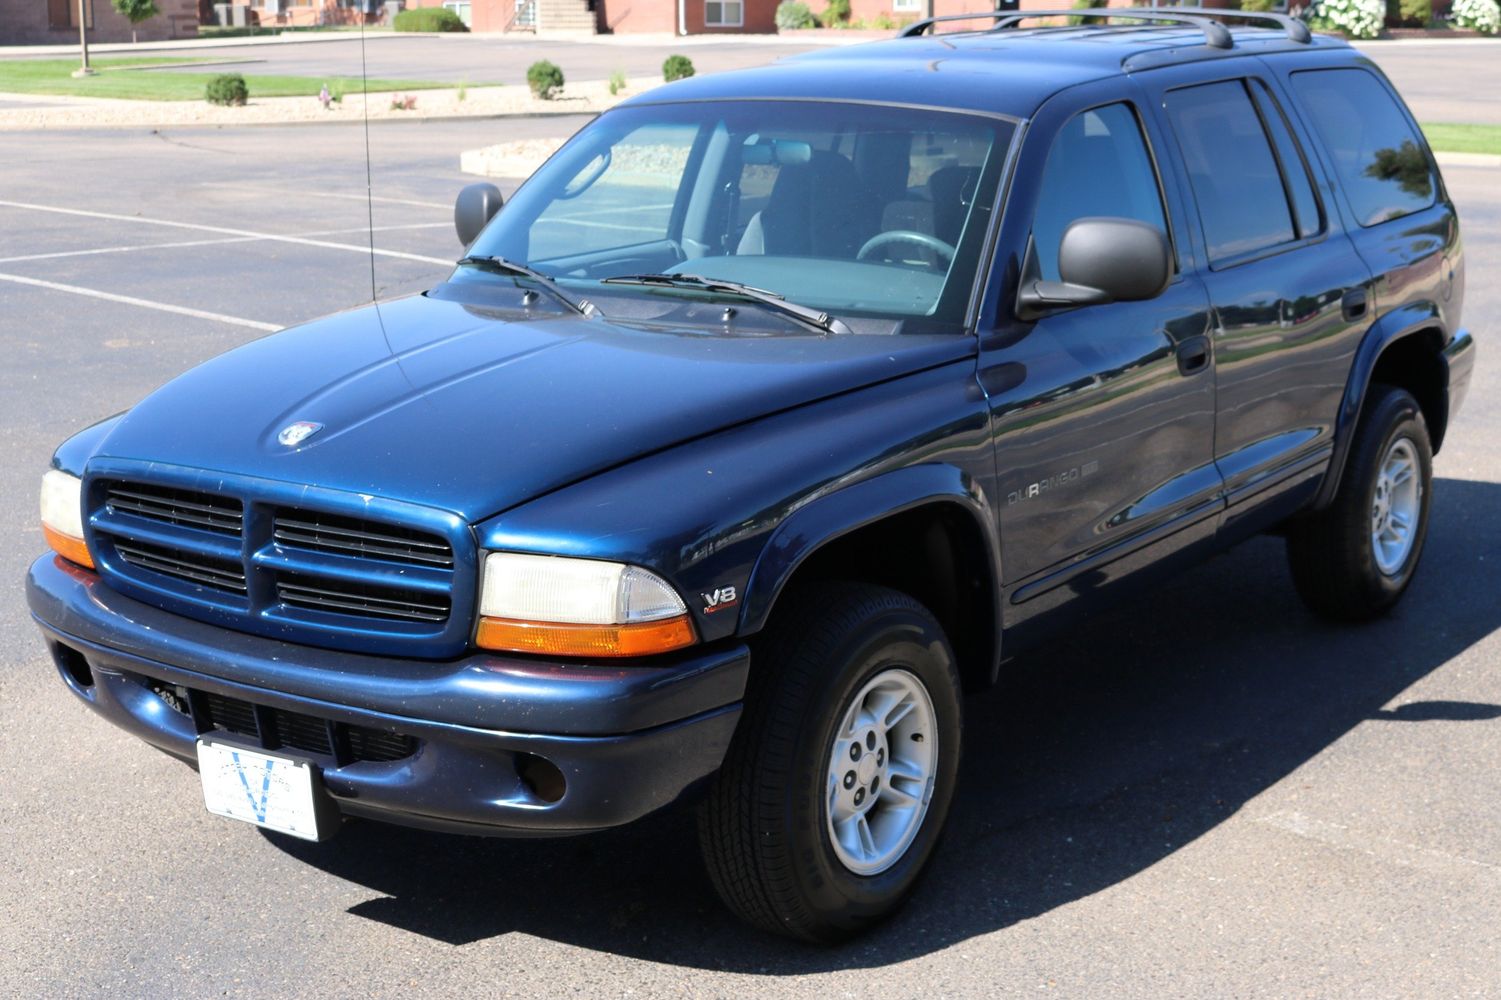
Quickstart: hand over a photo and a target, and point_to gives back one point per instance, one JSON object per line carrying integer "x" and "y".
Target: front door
{"x": 1103, "y": 415}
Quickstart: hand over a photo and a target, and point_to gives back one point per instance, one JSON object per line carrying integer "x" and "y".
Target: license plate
{"x": 278, "y": 793}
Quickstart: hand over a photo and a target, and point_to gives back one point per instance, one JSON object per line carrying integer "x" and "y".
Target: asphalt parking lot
{"x": 1204, "y": 793}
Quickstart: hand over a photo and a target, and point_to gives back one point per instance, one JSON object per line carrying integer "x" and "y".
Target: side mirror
{"x": 476, "y": 205}
{"x": 1102, "y": 260}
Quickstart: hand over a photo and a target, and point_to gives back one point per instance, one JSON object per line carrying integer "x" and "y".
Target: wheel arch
{"x": 924, "y": 530}
{"x": 1404, "y": 348}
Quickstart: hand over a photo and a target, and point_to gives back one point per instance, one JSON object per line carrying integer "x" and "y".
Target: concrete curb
{"x": 1468, "y": 159}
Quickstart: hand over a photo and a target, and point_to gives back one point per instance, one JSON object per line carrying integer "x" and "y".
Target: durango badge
{"x": 293, "y": 435}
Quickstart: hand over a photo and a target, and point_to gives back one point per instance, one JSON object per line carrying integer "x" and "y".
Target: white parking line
{"x": 300, "y": 241}
{"x": 239, "y": 186}
{"x": 144, "y": 303}
{"x": 204, "y": 243}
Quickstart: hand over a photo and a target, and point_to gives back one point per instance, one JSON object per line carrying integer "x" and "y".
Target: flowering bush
{"x": 1483, "y": 16}
{"x": 1354, "y": 18}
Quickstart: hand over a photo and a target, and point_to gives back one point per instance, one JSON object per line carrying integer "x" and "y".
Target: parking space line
{"x": 204, "y": 243}
{"x": 323, "y": 194}
{"x": 300, "y": 241}
{"x": 144, "y": 303}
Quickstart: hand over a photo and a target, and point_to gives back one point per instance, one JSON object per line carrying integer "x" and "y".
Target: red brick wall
{"x": 28, "y": 22}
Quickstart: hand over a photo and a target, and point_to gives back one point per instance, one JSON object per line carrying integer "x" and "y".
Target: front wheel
{"x": 839, "y": 778}
{"x": 1353, "y": 560}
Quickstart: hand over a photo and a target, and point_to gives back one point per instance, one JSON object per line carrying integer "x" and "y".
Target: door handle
{"x": 1193, "y": 355}
{"x": 1352, "y": 306}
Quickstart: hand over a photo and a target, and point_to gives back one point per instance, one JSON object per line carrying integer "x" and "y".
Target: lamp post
{"x": 83, "y": 39}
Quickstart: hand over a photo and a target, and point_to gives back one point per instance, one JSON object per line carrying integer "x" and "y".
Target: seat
{"x": 815, "y": 209}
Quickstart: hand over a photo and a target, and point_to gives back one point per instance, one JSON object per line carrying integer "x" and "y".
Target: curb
{"x": 1468, "y": 159}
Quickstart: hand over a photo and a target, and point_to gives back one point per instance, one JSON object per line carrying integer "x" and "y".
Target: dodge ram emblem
{"x": 293, "y": 435}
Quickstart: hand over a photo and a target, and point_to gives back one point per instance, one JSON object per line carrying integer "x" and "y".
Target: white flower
{"x": 1358, "y": 18}
{"x": 1483, "y": 16}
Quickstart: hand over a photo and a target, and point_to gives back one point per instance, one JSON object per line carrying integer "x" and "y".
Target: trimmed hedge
{"x": 428, "y": 19}
{"x": 794, "y": 14}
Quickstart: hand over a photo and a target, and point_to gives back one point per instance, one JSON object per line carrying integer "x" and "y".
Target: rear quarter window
{"x": 1377, "y": 156}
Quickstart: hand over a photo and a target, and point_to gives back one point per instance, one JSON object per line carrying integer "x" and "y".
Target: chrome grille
{"x": 185, "y": 508}
{"x": 320, "y": 532}
{"x": 191, "y": 566}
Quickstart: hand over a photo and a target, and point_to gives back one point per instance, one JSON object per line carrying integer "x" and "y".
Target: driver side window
{"x": 1099, "y": 166}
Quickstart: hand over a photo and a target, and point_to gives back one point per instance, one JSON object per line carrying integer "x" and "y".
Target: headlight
{"x": 578, "y": 607}
{"x": 62, "y": 516}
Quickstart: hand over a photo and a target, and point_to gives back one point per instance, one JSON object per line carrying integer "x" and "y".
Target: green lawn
{"x": 124, "y": 78}
{"x": 1463, "y": 138}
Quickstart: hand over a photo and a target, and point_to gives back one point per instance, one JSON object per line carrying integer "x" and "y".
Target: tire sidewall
{"x": 1395, "y": 416}
{"x": 896, "y": 638}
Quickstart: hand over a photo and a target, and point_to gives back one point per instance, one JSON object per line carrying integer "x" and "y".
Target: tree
{"x": 135, "y": 11}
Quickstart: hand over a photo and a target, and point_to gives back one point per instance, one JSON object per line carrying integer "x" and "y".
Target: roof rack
{"x": 1216, "y": 35}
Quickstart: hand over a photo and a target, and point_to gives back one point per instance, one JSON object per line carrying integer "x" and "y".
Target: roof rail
{"x": 1207, "y": 20}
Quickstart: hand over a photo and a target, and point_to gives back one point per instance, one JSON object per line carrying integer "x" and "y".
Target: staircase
{"x": 564, "y": 17}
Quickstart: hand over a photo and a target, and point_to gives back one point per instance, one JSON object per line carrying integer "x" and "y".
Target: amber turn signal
{"x": 70, "y": 548}
{"x": 556, "y": 639}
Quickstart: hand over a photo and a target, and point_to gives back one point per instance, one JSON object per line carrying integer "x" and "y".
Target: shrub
{"x": 1409, "y": 13}
{"x": 404, "y": 103}
{"x": 428, "y": 19}
{"x": 677, "y": 68}
{"x": 836, "y": 13}
{"x": 617, "y": 80}
{"x": 227, "y": 89}
{"x": 1258, "y": 6}
{"x": 794, "y": 14}
{"x": 1352, "y": 18}
{"x": 883, "y": 22}
{"x": 545, "y": 79}
{"x": 1483, "y": 16}
{"x": 1086, "y": 5}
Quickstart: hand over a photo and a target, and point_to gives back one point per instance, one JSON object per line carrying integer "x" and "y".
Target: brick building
{"x": 55, "y": 22}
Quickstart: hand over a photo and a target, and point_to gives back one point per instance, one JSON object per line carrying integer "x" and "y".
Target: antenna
{"x": 369, "y": 173}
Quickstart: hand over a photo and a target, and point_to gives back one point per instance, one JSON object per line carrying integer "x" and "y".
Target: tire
{"x": 1341, "y": 570}
{"x": 765, "y": 828}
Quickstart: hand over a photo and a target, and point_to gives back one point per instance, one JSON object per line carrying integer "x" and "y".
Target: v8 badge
{"x": 721, "y": 598}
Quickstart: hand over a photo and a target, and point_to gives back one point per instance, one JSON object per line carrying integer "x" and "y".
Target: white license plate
{"x": 277, "y": 793}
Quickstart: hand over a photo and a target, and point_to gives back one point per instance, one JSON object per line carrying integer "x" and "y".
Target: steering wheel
{"x": 907, "y": 236}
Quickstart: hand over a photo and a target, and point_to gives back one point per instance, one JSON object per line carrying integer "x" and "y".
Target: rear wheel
{"x": 836, "y": 786}
{"x": 1355, "y": 559}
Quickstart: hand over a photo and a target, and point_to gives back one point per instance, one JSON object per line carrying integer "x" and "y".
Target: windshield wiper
{"x": 771, "y": 300}
{"x": 502, "y": 266}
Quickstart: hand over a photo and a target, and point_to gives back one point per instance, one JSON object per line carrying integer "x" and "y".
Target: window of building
{"x": 724, "y": 13}
{"x": 1242, "y": 201}
{"x": 1098, "y": 166}
{"x": 1379, "y": 159}
{"x": 906, "y": 5}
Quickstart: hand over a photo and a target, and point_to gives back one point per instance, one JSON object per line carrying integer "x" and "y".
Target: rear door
{"x": 1291, "y": 296}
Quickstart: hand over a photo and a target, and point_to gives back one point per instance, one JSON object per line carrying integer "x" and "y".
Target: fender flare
{"x": 838, "y": 513}
{"x": 1412, "y": 320}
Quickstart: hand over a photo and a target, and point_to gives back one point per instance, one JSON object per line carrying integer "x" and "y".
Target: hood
{"x": 438, "y": 402}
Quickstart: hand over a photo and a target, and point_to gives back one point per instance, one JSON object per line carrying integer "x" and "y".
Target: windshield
{"x": 864, "y": 211}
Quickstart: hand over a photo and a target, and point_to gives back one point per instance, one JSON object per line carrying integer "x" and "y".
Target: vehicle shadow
{"x": 1105, "y": 753}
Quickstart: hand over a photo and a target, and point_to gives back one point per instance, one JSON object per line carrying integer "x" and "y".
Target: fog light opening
{"x": 541, "y": 777}
{"x": 71, "y": 662}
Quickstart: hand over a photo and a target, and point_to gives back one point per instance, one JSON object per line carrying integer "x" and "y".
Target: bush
{"x": 677, "y": 68}
{"x": 1409, "y": 13}
{"x": 793, "y": 15}
{"x": 545, "y": 79}
{"x": 1086, "y": 5}
{"x": 227, "y": 89}
{"x": 1483, "y": 16}
{"x": 1258, "y": 6}
{"x": 1351, "y": 18}
{"x": 428, "y": 19}
{"x": 836, "y": 13}
{"x": 405, "y": 102}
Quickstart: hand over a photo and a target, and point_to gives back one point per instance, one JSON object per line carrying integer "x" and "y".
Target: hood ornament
{"x": 293, "y": 435}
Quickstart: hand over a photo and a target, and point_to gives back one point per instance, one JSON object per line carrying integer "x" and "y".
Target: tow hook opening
{"x": 541, "y": 777}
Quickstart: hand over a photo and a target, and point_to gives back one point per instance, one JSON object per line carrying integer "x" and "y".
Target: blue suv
{"x": 778, "y": 408}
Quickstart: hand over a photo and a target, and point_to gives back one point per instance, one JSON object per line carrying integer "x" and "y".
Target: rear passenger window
{"x": 1099, "y": 165}
{"x": 1378, "y": 157}
{"x": 1295, "y": 172}
{"x": 1242, "y": 201}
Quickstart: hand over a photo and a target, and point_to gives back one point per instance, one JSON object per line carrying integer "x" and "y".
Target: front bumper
{"x": 627, "y": 739}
